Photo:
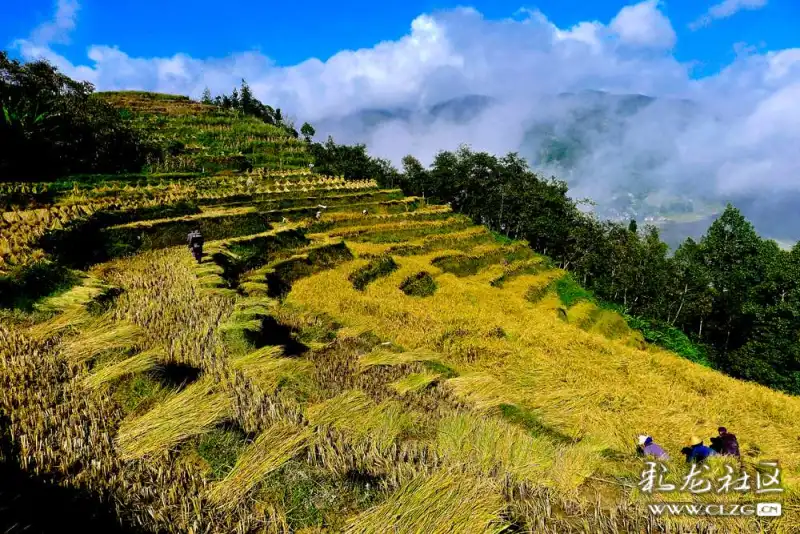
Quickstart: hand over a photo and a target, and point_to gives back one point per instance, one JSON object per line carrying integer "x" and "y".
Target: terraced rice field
{"x": 400, "y": 371}
{"x": 21, "y": 230}
{"x": 211, "y": 139}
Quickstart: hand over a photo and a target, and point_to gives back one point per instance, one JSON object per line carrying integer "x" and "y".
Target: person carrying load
{"x": 195, "y": 239}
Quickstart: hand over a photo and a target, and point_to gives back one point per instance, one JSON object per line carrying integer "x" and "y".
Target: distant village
{"x": 625, "y": 216}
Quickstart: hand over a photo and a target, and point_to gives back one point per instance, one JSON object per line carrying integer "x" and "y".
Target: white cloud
{"x": 444, "y": 52}
{"x": 725, "y": 9}
{"x": 58, "y": 30}
{"x": 741, "y": 139}
{"x": 644, "y": 24}
{"x": 589, "y": 33}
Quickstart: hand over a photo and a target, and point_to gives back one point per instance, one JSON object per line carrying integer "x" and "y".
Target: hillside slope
{"x": 215, "y": 156}
{"x": 208, "y": 138}
{"x": 396, "y": 370}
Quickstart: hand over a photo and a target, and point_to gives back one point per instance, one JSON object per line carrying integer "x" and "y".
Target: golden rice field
{"x": 260, "y": 391}
{"x": 20, "y": 228}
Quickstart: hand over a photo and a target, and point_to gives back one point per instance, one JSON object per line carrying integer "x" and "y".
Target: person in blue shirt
{"x": 696, "y": 451}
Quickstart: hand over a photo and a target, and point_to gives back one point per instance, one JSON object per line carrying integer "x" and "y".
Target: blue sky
{"x": 290, "y": 32}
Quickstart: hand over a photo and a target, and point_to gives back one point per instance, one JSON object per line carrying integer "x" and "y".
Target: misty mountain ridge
{"x": 459, "y": 110}
{"x": 464, "y": 108}
{"x": 626, "y": 152}
{"x": 564, "y": 130}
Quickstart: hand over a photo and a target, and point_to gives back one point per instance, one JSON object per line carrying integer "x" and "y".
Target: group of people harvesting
{"x": 723, "y": 444}
{"x": 318, "y": 215}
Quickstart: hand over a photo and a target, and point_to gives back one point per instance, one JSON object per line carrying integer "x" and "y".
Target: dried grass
{"x": 71, "y": 317}
{"x": 389, "y": 358}
{"x": 273, "y": 448}
{"x": 491, "y": 447}
{"x": 189, "y": 413}
{"x": 441, "y": 503}
{"x": 361, "y": 420}
{"x": 482, "y": 391}
{"x": 414, "y": 382}
{"x": 266, "y": 369}
{"x": 579, "y": 383}
{"x": 101, "y": 336}
{"x": 446, "y": 459}
{"x": 139, "y": 363}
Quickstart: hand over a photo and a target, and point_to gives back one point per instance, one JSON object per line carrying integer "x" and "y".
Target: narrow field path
{"x": 161, "y": 294}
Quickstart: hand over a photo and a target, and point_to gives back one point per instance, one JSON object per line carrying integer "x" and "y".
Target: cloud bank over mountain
{"x": 732, "y": 135}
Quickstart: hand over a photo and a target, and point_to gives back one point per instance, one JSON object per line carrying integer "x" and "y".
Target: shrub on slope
{"x": 419, "y": 285}
{"x": 376, "y": 268}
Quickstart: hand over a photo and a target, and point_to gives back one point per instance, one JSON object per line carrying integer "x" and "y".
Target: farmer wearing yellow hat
{"x": 696, "y": 451}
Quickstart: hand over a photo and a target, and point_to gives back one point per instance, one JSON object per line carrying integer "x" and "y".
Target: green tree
{"x": 307, "y": 131}
{"x": 654, "y": 275}
{"x": 51, "y": 125}
{"x": 352, "y": 162}
{"x": 268, "y": 114}
{"x": 585, "y": 252}
{"x": 247, "y": 102}
{"x": 244, "y": 101}
{"x": 691, "y": 292}
{"x": 443, "y": 180}
{"x": 206, "y": 98}
{"x": 732, "y": 252}
{"x": 550, "y": 217}
{"x": 384, "y": 173}
{"x": 415, "y": 176}
{"x": 771, "y": 353}
{"x": 770, "y": 350}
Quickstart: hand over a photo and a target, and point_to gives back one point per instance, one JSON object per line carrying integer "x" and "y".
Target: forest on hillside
{"x": 730, "y": 300}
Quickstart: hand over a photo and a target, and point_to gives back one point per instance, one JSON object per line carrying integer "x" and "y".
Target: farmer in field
{"x": 696, "y": 451}
{"x": 318, "y": 216}
{"x": 726, "y": 443}
{"x": 648, "y": 447}
{"x": 195, "y": 239}
{"x": 364, "y": 212}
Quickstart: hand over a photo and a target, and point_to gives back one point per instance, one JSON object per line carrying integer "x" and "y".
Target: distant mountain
{"x": 461, "y": 109}
{"x": 360, "y": 124}
{"x": 563, "y": 133}
{"x": 590, "y": 120}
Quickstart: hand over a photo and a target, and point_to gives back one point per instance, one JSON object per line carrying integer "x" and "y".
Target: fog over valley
{"x": 636, "y": 156}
